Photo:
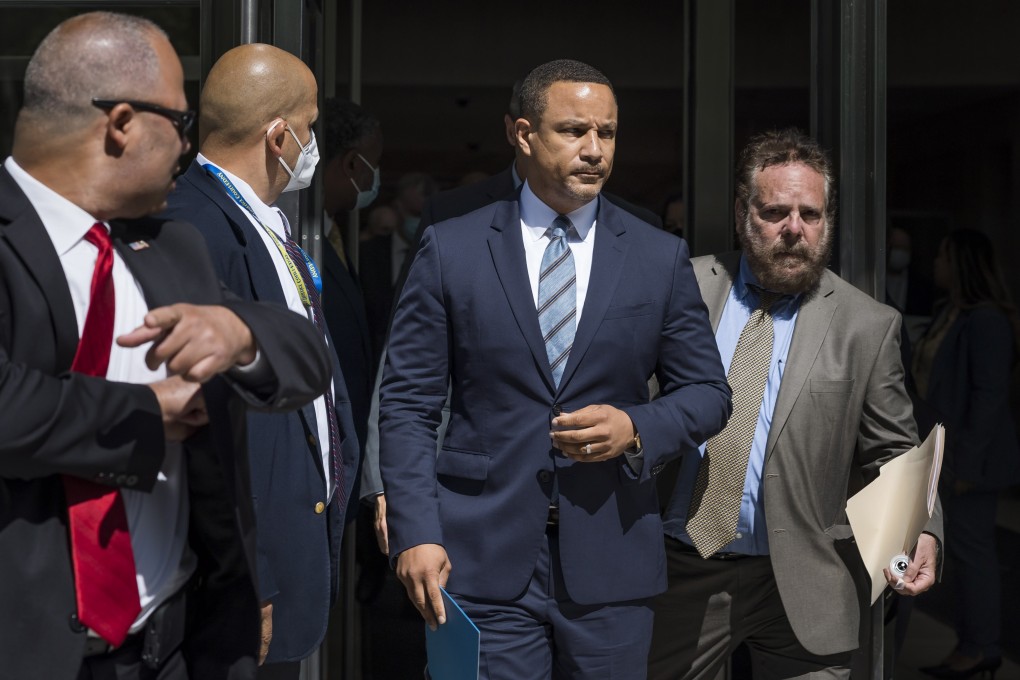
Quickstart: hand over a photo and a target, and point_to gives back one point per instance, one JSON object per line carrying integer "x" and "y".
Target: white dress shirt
{"x": 158, "y": 521}
{"x": 274, "y": 218}
{"x": 536, "y": 218}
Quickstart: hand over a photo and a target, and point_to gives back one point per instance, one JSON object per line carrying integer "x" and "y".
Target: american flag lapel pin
{"x": 138, "y": 245}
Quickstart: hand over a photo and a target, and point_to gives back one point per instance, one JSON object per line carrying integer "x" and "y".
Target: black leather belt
{"x": 728, "y": 556}
{"x": 94, "y": 646}
{"x": 162, "y": 634}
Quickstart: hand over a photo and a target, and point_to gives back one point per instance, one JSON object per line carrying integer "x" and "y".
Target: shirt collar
{"x": 517, "y": 178}
{"x": 745, "y": 279}
{"x": 65, "y": 222}
{"x": 538, "y": 217}
{"x": 266, "y": 214}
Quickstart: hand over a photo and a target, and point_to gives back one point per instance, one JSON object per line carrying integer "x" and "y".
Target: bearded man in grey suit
{"x": 826, "y": 410}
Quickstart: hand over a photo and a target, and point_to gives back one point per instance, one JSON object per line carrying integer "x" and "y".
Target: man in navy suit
{"x": 257, "y": 111}
{"x": 540, "y": 512}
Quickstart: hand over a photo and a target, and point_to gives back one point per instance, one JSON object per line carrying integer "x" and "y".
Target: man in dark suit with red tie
{"x": 126, "y": 522}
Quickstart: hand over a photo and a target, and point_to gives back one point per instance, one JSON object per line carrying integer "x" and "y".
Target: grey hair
{"x": 106, "y": 55}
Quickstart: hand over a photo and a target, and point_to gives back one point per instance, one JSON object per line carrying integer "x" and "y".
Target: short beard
{"x": 790, "y": 270}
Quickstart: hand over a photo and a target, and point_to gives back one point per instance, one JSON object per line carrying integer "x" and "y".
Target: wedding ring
{"x": 587, "y": 449}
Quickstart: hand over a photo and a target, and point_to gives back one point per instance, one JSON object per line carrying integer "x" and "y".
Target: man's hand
{"x": 182, "y": 406}
{"x": 267, "y": 631}
{"x": 422, "y": 569}
{"x": 381, "y": 533}
{"x": 194, "y": 341}
{"x": 920, "y": 574}
{"x": 607, "y": 429}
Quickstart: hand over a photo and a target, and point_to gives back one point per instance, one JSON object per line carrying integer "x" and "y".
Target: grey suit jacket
{"x": 842, "y": 411}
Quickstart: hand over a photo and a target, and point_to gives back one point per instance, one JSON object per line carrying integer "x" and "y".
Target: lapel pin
{"x": 138, "y": 245}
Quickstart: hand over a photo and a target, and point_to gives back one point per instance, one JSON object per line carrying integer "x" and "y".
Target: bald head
{"x": 99, "y": 54}
{"x": 247, "y": 88}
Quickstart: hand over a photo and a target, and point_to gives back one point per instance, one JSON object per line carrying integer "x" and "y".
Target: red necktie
{"x": 104, "y": 565}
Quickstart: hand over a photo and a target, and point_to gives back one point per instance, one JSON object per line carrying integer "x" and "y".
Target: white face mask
{"x": 304, "y": 170}
{"x": 365, "y": 198}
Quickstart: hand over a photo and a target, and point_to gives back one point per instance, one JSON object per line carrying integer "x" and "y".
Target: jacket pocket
{"x": 463, "y": 464}
{"x": 839, "y": 386}
{"x": 625, "y": 311}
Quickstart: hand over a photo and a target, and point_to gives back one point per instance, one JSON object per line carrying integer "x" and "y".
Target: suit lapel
{"x": 608, "y": 257}
{"x": 715, "y": 281}
{"x": 257, "y": 261}
{"x": 160, "y": 284}
{"x": 28, "y": 238}
{"x": 812, "y": 325}
{"x": 507, "y": 249}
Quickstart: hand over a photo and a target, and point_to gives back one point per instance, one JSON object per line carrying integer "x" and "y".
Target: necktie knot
{"x": 99, "y": 237}
{"x": 766, "y": 298}
{"x": 561, "y": 226}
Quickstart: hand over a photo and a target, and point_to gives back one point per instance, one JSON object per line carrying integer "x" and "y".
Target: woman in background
{"x": 963, "y": 368}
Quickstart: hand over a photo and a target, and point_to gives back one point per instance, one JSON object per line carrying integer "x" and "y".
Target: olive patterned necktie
{"x": 715, "y": 505}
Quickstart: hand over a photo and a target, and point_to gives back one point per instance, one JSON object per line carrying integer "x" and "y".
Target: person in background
{"x": 963, "y": 367}
{"x": 674, "y": 215}
{"x": 353, "y": 145}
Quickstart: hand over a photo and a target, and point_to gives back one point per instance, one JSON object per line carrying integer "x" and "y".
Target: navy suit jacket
{"x": 467, "y": 316}
{"x": 298, "y": 548}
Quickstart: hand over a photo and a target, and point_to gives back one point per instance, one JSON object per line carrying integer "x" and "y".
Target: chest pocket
{"x": 627, "y": 311}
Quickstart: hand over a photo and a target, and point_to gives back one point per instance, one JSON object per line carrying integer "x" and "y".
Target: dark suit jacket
{"x": 842, "y": 411}
{"x": 344, "y": 310}
{"x": 56, "y": 423}
{"x": 968, "y": 391}
{"x": 460, "y": 201}
{"x": 467, "y": 315}
{"x": 297, "y": 547}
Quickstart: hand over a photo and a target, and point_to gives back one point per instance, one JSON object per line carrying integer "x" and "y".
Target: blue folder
{"x": 453, "y": 646}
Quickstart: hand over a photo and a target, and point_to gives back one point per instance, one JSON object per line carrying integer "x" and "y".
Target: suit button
{"x": 544, "y": 476}
{"x": 319, "y": 508}
{"x": 556, "y": 410}
{"x": 132, "y": 480}
{"x": 312, "y": 441}
{"x": 76, "y": 625}
{"x": 121, "y": 480}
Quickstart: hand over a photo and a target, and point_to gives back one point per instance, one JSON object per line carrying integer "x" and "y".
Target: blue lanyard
{"x": 313, "y": 270}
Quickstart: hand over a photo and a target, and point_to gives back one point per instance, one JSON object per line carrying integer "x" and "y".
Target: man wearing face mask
{"x": 256, "y": 142}
{"x": 352, "y": 145}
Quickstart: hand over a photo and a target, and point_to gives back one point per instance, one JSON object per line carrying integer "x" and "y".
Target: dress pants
{"x": 287, "y": 670}
{"x": 126, "y": 664}
{"x": 543, "y": 634}
{"x": 713, "y": 605}
{"x": 974, "y": 570}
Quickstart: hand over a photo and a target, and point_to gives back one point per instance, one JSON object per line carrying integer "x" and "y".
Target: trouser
{"x": 712, "y": 605}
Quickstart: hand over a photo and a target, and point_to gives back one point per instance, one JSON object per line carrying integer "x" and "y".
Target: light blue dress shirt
{"x": 752, "y": 536}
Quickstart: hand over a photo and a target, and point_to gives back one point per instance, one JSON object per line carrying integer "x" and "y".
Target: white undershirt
{"x": 158, "y": 521}
{"x": 536, "y": 218}
{"x": 274, "y": 219}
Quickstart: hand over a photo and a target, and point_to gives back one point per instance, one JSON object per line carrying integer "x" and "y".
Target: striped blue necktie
{"x": 557, "y": 297}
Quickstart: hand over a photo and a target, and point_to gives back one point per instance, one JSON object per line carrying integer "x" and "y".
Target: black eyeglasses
{"x": 182, "y": 120}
